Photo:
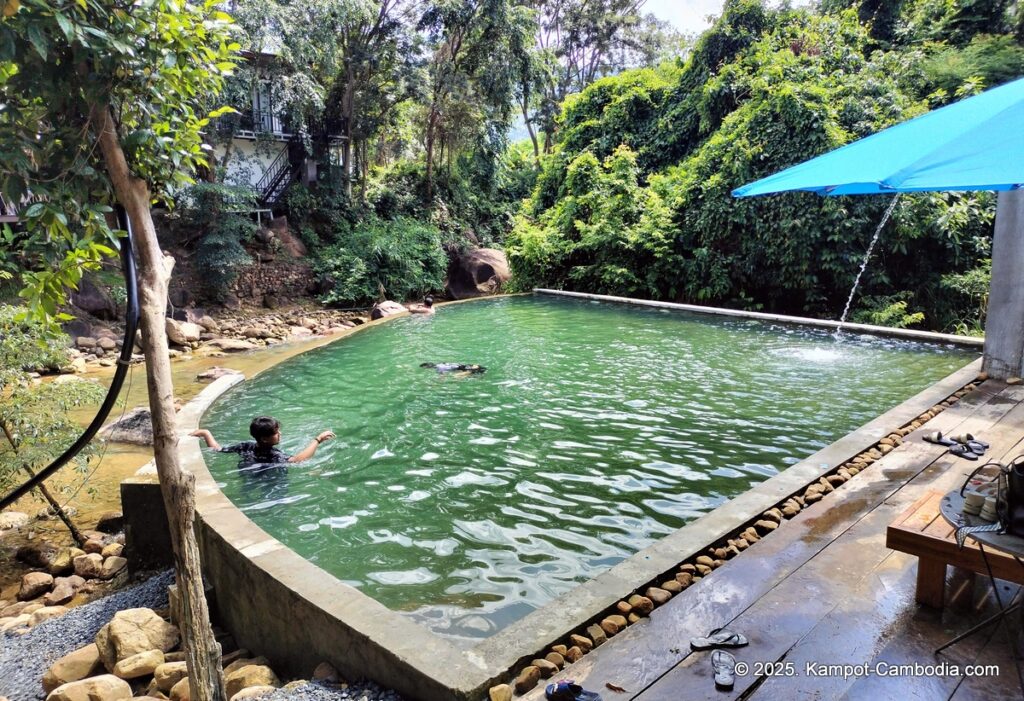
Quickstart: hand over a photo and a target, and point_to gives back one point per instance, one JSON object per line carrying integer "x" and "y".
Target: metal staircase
{"x": 282, "y": 172}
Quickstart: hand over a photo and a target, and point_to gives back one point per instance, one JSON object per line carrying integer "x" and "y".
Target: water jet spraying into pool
{"x": 864, "y": 265}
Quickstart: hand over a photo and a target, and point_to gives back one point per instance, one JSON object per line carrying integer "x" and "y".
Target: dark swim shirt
{"x": 252, "y": 453}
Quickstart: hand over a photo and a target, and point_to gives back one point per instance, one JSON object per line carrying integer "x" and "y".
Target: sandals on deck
{"x": 719, "y": 638}
{"x": 964, "y": 446}
{"x": 724, "y": 666}
{"x": 568, "y": 690}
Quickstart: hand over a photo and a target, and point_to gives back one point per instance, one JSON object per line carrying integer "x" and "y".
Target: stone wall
{"x": 272, "y": 282}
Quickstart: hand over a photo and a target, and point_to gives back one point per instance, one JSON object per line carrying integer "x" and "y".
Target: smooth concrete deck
{"x": 824, "y": 590}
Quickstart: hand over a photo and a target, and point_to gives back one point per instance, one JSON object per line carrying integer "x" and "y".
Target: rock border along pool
{"x": 282, "y": 606}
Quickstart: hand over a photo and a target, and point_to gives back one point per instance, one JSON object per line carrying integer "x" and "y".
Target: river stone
{"x": 299, "y": 332}
{"x": 34, "y": 584}
{"x": 386, "y": 308}
{"x": 112, "y": 550}
{"x": 547, "y": 668}
{"x": 325, "y": 672}
{"x": 236, "y": 665}
{"x": 13, "y": 519}
{"x": 36, "y": 554}
{"x": 657, "y": 595}
{"x": 85, "y": 342}
{"x": 15, "y": 622}
{"x": 641, "y": 604}
{"x": 105, "y": 687}
{"x": 614, "y": 624}
{"x": 231, "y": 345}
{"x": 250, "y": 675}
{"x": 93, "y": 545}
{"x": 671, "y": 586}
{"x": 181, "y": 691}
{"x": 112, "y": 565}
{"x": 597, "y": 634}
{"x": 582, "y": 642}
{"x": 215, "y": 373}
{"x": 89, "y": 566}
{"x": 139, "y": 665}
{"x": 527, "y": 679}
{"x": 106, "y": 343}
{"x": 46, "y": 613}
{"x": 136, "y": 428}
{"x": 83, "y": 662}
{"x": 133, "y": 631}
{"x": 62, "y": 561}
{"x": 253, "y": 692}
{"x": 110, "y": 522}
{"x": 168, "y": 674}
{"x": 501, "y": 692}
{"x": 64, "y": 589}
{"x": 182, "y": 333}
{"x": 573, "y": 654}
{"x": 555, "y": 658}
{"x": 13, "y": 609}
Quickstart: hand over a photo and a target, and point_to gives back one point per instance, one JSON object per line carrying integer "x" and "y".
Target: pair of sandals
{"x": 965, "y": 446}
{"x": 723, "y": 663}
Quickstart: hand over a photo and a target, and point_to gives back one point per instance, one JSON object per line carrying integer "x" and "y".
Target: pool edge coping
{"x": 911, "y": 334}
{"x": 430, "y": 666}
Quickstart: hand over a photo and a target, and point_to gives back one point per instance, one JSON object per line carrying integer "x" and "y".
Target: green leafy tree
{"x": 34, "y": 415}
{"x": 106, "y": 102}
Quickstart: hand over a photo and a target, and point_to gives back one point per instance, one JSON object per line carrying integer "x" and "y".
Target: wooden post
{"x": 206, "y": 681}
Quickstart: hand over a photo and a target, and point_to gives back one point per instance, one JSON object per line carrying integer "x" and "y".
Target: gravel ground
{"x": 24, "y": 659}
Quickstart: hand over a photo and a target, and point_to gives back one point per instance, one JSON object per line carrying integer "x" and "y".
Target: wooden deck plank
{"x": 639, "y": 656}
{"x": 824, "y": 570}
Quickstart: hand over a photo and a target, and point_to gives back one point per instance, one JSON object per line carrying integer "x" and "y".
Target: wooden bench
{"x": 921, "y": 530}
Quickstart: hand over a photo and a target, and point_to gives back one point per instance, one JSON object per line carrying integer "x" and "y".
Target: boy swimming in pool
{"x": 267, "y": 432}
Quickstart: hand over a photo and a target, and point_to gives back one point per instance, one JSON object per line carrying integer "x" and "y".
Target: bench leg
{"x": 931, "y": 582}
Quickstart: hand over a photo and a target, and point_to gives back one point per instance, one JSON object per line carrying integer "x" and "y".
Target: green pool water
{"x": 596, "y": 430}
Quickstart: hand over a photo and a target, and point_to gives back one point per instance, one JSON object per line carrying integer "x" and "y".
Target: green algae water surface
{"x": 596, "y": 430}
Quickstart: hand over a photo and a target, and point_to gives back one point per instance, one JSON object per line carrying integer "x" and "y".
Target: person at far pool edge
{"x": 267, "y": 432}
{"x": 426, "y": 308}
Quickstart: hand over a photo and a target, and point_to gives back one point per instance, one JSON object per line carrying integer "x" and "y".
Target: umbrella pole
{"x": 1004, "y": 323}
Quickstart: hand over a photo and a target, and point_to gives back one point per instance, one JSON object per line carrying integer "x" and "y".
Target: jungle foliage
{"x": 635, "y": 196}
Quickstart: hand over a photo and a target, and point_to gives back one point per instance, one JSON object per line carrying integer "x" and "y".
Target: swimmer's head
{"x": 428, "y": 301}
{"x": 264, "y": 429}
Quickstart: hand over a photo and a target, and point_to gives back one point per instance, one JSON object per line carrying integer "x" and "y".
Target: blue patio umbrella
{"x": 974, "y": 144}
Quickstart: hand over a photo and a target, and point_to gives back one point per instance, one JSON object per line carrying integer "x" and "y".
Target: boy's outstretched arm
{"x": 211, "y": 442}
{"x": 310, "y": 450}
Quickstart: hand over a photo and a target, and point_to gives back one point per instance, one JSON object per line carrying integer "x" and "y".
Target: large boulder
{"x": 133, "y": 631}
{"x": 94, "y": 299}
{"x": 83, "y": 662}
{"x": 34, "y": 584}
{"x": 136, "y": 427}
{"x": 13, "y": 519}
{"x": 231, "y": 345}
{"x": 250, "y": 675}
{"x": 105, "y": 687}
{"x": 182, "y": 333}
{"x": 482, "y": 271}
{"x": 386, "y": 308}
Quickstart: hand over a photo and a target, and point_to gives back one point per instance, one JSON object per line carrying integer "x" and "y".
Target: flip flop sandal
{"x": 976, "y": 447}
{"x": 937, "y": 438}
{"x": 568, "y": 690}
{"x": 970, "y": 438}
{"x": 719, "y": 637}
{"x": 962, "y": 451}
{"x": 724, "y": 666}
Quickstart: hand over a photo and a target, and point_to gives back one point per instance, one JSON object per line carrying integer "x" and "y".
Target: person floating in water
{"x": 459, "y": 369}
{"x": 267, "y": 432}
{"x": 426, "y": 308}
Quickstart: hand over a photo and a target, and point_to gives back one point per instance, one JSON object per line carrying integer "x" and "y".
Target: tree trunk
{"x": 347, "y": 108}
{"x": 431, "y": 121}
{"x": 533, "y": 134}
{"x": 206, "y": 681}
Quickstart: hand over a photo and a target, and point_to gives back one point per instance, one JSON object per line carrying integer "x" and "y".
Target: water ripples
{"x": 596, "y": 430}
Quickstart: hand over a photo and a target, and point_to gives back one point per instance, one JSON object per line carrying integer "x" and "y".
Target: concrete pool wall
{"x": 280, "y": 605}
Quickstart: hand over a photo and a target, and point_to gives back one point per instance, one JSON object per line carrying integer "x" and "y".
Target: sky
{"x": 688, "y": 16}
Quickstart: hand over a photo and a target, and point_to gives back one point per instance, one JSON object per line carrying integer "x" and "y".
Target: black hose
{"x": 131, "y": 324}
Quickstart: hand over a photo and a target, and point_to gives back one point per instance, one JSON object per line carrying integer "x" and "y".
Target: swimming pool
{"x": 468, "y": 502}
